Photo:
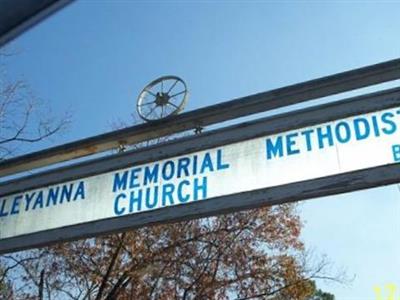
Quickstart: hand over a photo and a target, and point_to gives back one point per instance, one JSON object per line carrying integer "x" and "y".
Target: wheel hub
{"x": 162, "y": 99}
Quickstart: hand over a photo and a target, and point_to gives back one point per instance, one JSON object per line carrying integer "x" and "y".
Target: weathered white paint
{"x": 249, "y": 169}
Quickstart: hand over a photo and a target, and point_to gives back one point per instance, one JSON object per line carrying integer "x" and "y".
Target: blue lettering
{"x": 194, "y": 165}
{"x": 120, "y": 182}
{"x": 183, "y": 198}
{"x": 80, "y": 192}
{"x": 375, "y": 126}
{"x": 361, "y": 134}
{"x": 343, "y": 136}
{"x": 28, "y": 200}
{"x": 183, "y": 166}
{"x": 274, "y": 149}
{"x": 167, "y": 191}
{"x": 39, "y": 200}
{"x": 290, "y": 143}
{"x": 3, "y": 212}
{"x": 134, "y": 177}
{"x": 52, "y": 196}
{"x": 169, "y": 165}
{"x": 117, "y": 210}
{"x": 324, "y": 135}
{"x": 386, "y": 118}
{"x": 307, "y": 134}
{"x": 66, "y": 193}
{"x": 396, "y": 152}
{"x": 15, "y": 205}
{"x": 200, "y": 188}
{"x": 220, "y": 164}
{"x": 135, "y": 199}
{"x": 151, "y": 175}
{"x": 148, "y": 197}
{"x": 207, "y": 164}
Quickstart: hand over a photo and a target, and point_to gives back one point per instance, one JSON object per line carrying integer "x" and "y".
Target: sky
{"x": 94, "y": 57}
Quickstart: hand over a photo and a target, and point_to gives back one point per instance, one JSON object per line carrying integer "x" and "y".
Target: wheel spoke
{"x": 177, "y": 94}
{"x": 151, "y": 93}
{"x": 172, "y": 104}
{"x": 162, "y": 86}
{"x": 149, "y": 113}
{"x": 148, "y": 103}
{"x": 147, "y": 96}
{"x": 172, "y": 86}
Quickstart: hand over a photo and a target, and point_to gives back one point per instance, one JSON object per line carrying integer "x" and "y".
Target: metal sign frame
{"x": 289, "y": 95}
{"x": 18, "y": 16}
{"x": 335, "y": 184}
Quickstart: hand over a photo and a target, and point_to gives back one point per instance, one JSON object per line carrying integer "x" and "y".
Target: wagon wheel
{"x": 162, "y": 98}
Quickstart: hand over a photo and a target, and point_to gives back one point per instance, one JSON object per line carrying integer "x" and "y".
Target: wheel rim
{"x": 162, "y": 98}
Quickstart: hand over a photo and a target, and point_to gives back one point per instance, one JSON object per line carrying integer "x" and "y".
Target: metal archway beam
{"x": 215, "y": 138}
{"x": 288, "y": 192}
{"x": 18, "y": 16}
{"x": 289, "y": 95}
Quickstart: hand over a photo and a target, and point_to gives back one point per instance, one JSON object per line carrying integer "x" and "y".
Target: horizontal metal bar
{"x": 331, "y": 185}
{"x": 245, "y": 131}
{"x": 240, "y": 107}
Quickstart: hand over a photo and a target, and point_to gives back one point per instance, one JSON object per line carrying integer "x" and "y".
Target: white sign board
{"x": 331, "y": 148}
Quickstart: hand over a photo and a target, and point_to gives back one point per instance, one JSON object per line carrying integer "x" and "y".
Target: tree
{"x": 246, "y": 255}
{"x": 320, "y": 295}
{"x": 242, "y": 254}
{"x": 6, "y": 291}
{"x": 24, "y": 118}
